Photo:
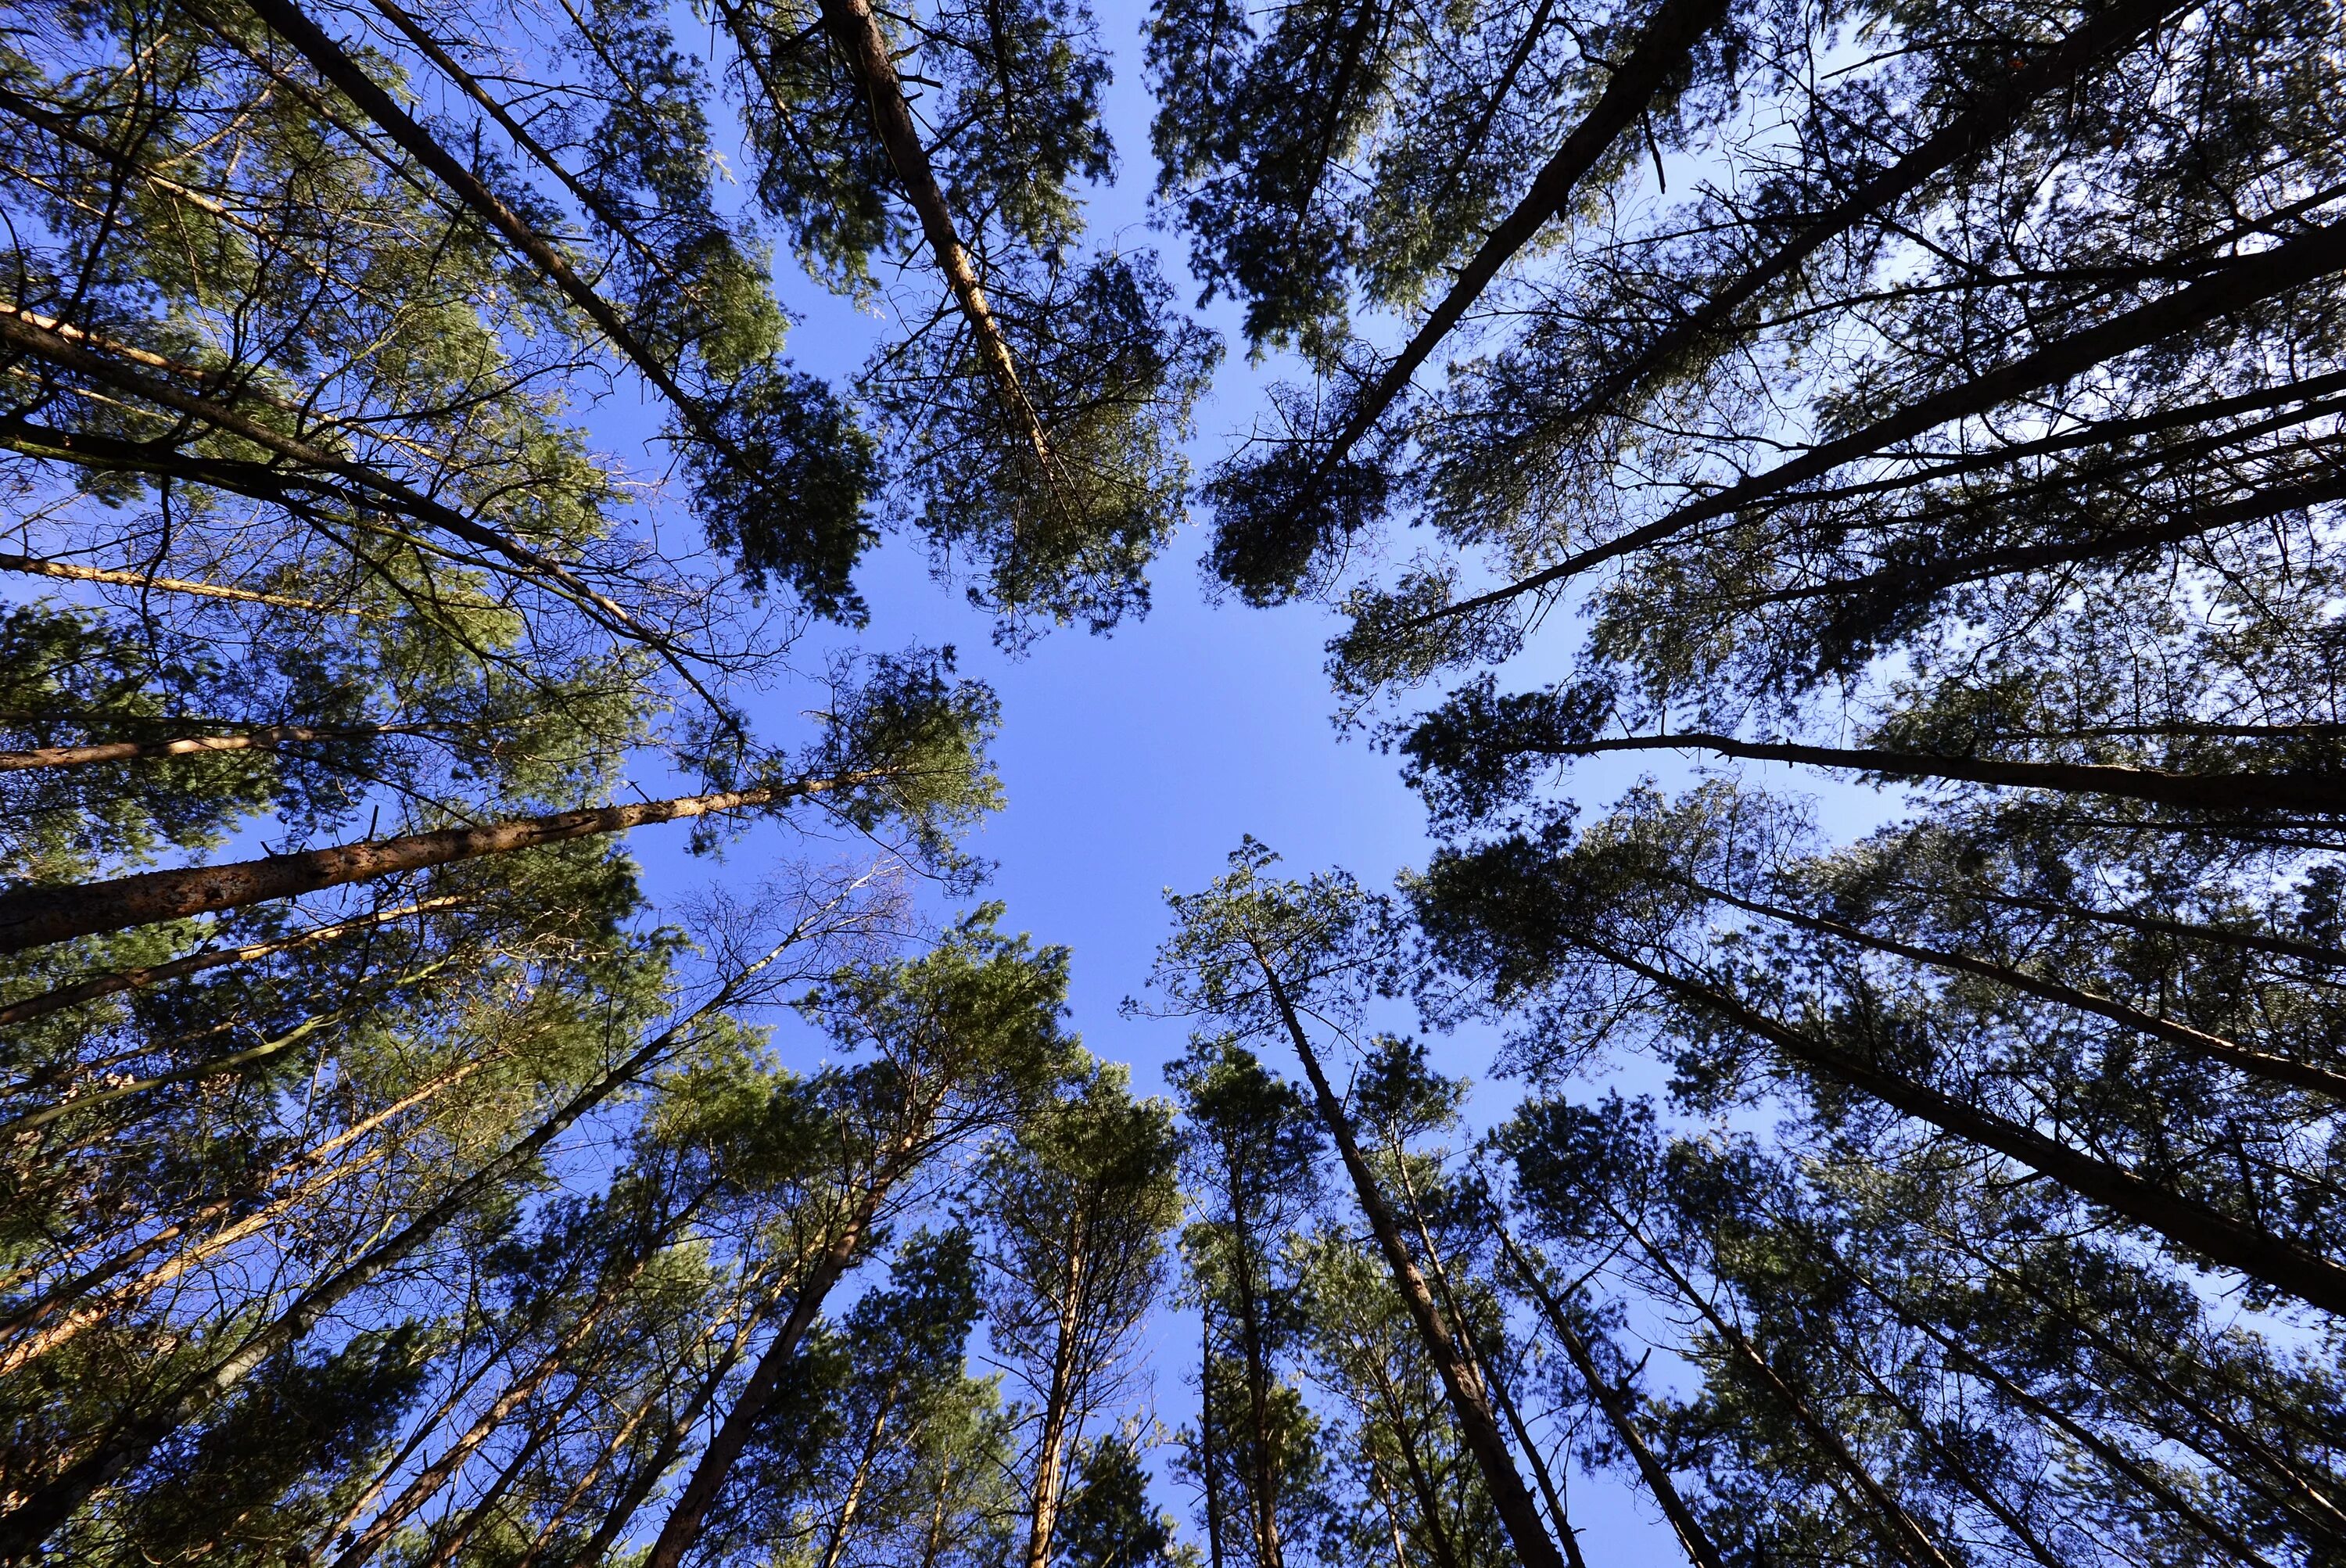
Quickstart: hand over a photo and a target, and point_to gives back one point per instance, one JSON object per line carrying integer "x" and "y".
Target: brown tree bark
{"x": 1470, "y": 1403}
{"x": 34, "y": 917}
{"x": 42, "y": 1508}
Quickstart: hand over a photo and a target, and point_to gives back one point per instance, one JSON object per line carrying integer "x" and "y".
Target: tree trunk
{"x": 2241, "y": 283}
{"x": 1668, "y": 36}
{"x": 271, "y": 739}
{"x": 71, "y": 573}
{"x": 2243, "y": 1058}
{"x": 1208, "y": 1472}
{"x": 82, "y": 1317}
{"x": 36, "y": 916}
{"x": 690, "y": 1512}
{"x": 863, "y": 49}
{"x": 2194, "y": 1227}
{"x": 1058, "y": 1402}
{"x": 128, "y": 1443}
{"x": 1257, "y": 1374}
{"x": 1469, "y": 1403}
{"x": 1691, "y": 1535}
{"x": 1988, "y": 118}
{"x": 106, "y": 985}
{"x": 2319, "y": 793}
{"x": 1899, "y": 1531}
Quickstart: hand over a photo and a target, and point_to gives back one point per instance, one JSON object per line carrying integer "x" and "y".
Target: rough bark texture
{"x": 34, "y": 917}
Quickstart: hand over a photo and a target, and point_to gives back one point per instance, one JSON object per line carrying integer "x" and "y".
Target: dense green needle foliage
{"x": 1938, "y": 399}
{"x": 406, "y": 481}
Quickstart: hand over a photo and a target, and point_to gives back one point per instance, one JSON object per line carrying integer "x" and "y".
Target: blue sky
{"x": 1137, "y": 761}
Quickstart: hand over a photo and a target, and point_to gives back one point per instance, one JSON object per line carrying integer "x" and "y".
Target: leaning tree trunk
{"x": 1470, "y": 1403}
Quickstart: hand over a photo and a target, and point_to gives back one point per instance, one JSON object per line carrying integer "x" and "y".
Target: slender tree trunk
{"x": 837, "y": 1545}
{"x": 2093, "y": 1442}
{"x": 2246, "y": 1059}
{"x": 1429, "y": 1501}
{"x": 270, "y": 738}
{"x": 691, "y": 1512}
{"x": 128, "y": 1443}
{"x": 2246, "y": 281}
{"x": 1265, "y": 1465}
{"x": 286, "y": 19}
{"x": 105, "y": 985}
{"x": 2149, "y": 925}
{"x": 1550, "y": 1493}
{"x": 1983, "y": 121}
{"x": 36, "y": 916}
{"x": 855, "y": 33}
{"x": 1691, "y": 1535}
{"x": 72, "y": 573}
{"x": 211, "y": 1067}
{"x": 1899, "y": 1531}
{"x": 2322, "y": 794}
{"x": 78, "y": 1319}
{"x": 429, "y": 1481}
{"x": 1469, "y": 1401}
{"x": 1207, "y": 1464}
{"x": 1662, "y": 47}
{"x": 2194, "y": 1226}
{"x": 1058, "y": 1414}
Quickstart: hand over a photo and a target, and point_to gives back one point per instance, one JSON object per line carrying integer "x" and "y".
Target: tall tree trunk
{"x": 1208, "y": 1467}
{"x": 691, "y": 1512}
{"x": 1690, "y": 1532}
{"x": 71, "y": 572}
{"x": 1983, "y": 121}
{"x": 1662, "y": 47}
{"x": 836, "y": 1546}
{"x": 429, "y": 1481}
{"x": 127, "y": 1444}
{"x": 2323, "y": 794}
{"x": 1899, "y": 1530}
{"x": 270, "y": 738}
{"x": 1469, "y": 1401}
{"x": 1550, "y": 1493}
{"x": 34, "y": 917}
{"x": 1058, "y": 1411}
{"x": 863, "y": 49}
{"x": 2246, "y": 1059}
{"x": 78, "y": 1319}
{"x": 153, "y": 974}
{"x": 1265, "y": 1490}
{"x": 2194, "y": 1227}
{"x": 2241, "y": 283}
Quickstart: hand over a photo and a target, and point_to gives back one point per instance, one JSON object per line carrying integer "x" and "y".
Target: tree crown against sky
{"x": 1942, "y": 400}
